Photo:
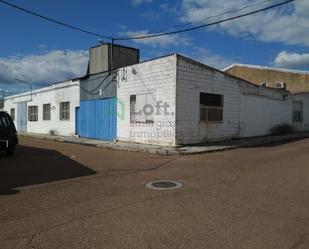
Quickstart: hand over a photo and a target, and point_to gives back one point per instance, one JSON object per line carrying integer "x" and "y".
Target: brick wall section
{"x": 193, "y": 78}
{"x": 158, "y": 77}
{"x": 296, "y": 82}
{"x": 249, "y": 110}
{"x": 259, "y": 114}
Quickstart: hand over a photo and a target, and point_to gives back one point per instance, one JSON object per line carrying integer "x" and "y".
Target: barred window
{"x": 33, "y": 113}
{"x": 65, "y": 111}
{"x": 13, "y": 114}
{"x": 132, "y": 108}
{"x": 142, "y": 108}
{"x": 297, "y": 111}
{"x": 211, "y": 107}
{"x": 46, "y": 111}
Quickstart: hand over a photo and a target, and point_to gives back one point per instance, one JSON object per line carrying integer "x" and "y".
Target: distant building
{"x": 296, "y": 81}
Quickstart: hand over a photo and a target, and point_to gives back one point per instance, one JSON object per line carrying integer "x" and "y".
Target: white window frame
{"x": 13, "y": 113}
{"x": 33, "y": 113}
{"x": 64, "y": 114}
{"x": 138, "y": 104}
{"x": 46, "y": 113}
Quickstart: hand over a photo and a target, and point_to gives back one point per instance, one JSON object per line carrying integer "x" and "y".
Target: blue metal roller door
{"x": 97, "y": 119}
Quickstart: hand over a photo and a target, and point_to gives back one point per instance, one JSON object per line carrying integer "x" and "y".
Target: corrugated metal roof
{"x": 45, "y": 89}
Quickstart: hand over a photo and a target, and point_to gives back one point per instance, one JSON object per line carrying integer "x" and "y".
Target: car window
{"x": 5, "y": 122}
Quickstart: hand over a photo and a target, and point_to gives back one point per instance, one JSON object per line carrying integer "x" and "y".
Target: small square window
{"x": 211, "y": 107}
{"x": 33, "y": 113}
{"x": 142, "y": 108}
{"x": 297, "y": 111}
{"x": 12, "y": 113}
{"x": 46, "y": 112}
{"x": 214, "y": 100}
{"x": 65, "y": 111}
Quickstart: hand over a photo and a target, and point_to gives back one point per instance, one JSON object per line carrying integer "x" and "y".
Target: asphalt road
{"x": 56, "y": 195}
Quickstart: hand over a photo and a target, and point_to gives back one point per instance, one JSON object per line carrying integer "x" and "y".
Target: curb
{"x": 175, "y": 151}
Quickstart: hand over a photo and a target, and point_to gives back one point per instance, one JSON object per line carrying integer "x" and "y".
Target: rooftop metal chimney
{"x": 100, "y": 57}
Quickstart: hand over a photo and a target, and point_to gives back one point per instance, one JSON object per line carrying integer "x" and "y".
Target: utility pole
{"x": 29, "y": 84}
{"x": 112, "y": 55}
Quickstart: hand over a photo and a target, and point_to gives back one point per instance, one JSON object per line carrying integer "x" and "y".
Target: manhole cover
{"x": 163, "y": 185}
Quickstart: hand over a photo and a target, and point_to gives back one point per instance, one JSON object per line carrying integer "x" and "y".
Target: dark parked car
{"x": 8, "y": 134}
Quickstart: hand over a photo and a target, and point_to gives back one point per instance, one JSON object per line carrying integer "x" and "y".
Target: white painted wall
{"x": 304, "y": 125}
{"x": 249, "y": 110}
{"x": 259, "y": 114}
{"x": 62, "y": 92}
{"x": 193, "y": 78}
{"x": 158, "y": 77}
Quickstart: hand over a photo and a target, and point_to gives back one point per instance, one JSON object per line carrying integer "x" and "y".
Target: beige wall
{"x": 296, "y": 82}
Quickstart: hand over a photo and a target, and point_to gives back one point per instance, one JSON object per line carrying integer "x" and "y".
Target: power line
{"x": 92, "y": 92}
{"x": 54, "y": 21}
{"x": 153, "y": 35}
{"x": 202, "y": 26}
{"x": 212, "y": 17}
{"x": 101, "y": 90}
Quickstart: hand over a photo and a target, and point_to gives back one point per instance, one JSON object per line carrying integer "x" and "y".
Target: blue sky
{"x": 37, "y": 51}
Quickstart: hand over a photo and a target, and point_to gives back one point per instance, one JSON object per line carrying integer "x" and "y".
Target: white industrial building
{"x": 171, "y": 100}
{"x": 205, "y": 104}
{"x": 49, "y": 110}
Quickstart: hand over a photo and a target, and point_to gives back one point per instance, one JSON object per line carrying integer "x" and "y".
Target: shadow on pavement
{"x": 256, "y": 142}
{"x": 30, "y": 166}
{"x": 276, "y": 143}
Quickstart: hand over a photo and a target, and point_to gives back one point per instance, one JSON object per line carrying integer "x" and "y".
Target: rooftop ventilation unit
{"x": 280, "y": 85}
{"x": 106, "y": 57}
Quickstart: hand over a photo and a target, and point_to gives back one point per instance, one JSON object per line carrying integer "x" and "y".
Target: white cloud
{"x": 292, "y": 60}
{"x": 42, "y": 46}
{"x": 138, "y": 2}
{"x": 162, "y": 41}
{"x": 288, "y": 24}
{"x": 151, "y": 15}
{"x": 169, "y": 8}
{"x": 45, "y": 68}
{"x": 214, "y": 60}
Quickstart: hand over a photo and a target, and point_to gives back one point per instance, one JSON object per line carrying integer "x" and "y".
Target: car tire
{"x": 10, "y": 150}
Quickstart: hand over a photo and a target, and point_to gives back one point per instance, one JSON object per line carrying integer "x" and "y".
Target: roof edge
{"x": 62, "y": 84}
{"x": 284, "y": 70}
{"x": 230, "y": 75}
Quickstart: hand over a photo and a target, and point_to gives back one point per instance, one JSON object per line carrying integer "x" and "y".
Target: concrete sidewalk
{"x": 172, "y": 150}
